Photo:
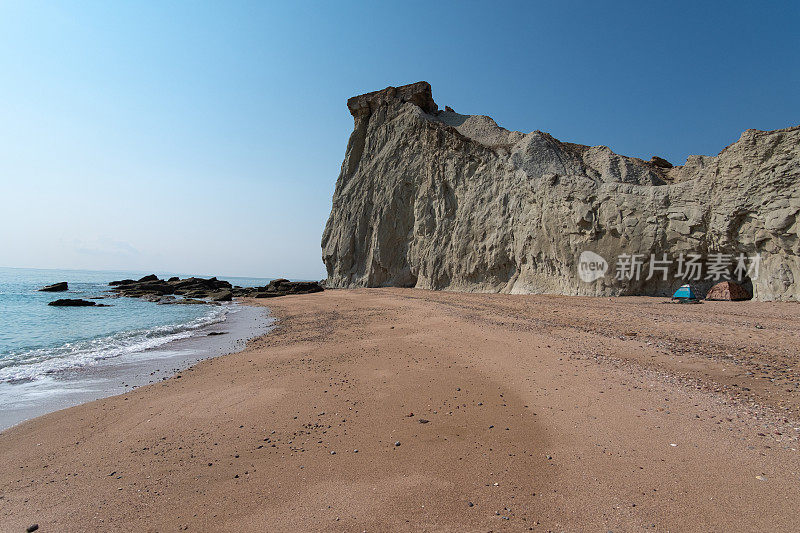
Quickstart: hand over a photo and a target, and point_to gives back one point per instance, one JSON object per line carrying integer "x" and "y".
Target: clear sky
{"x": 206, "y": 137}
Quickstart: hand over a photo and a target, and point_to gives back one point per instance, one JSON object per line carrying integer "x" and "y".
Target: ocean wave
{"x": 34, "y": 364}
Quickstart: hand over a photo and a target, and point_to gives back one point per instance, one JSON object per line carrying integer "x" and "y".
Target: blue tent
{"x": 684, "y": 292}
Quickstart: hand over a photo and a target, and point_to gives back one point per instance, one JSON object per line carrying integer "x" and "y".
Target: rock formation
{"x": 75, "y": 302}
{"x": 438, "y": 200}
{"x": 153, "y": 289}
{"x": 55, "y": 287}
{"x": 282, "y": 287}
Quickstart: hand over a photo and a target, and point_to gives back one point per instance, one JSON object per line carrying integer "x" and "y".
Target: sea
{"x": 56, "y": 357}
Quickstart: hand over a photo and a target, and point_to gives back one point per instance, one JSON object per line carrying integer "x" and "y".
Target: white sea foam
{"x": 35, "y": 364}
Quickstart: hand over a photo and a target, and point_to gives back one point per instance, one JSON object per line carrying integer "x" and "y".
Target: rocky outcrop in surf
{"x": 438, "y": 200}
{"x": 75, "y": 302}
{"x": 201, "y": 290}
{"x": 56, "y": 287}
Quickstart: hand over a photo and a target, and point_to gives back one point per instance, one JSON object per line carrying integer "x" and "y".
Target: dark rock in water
{"x": 192, "y": 301}
{"x": 214, "y": 333}
{"x": 222, "y": 296}
{"x": 153, "y": 289}
{"x": 193, "y": 293}
{"x": 69, "y": 302}
{"x": 157, "y": 287}
{"x": 55, "y": 287}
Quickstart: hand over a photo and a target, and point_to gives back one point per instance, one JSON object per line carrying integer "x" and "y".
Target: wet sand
{"x": 116, "y": 375}
{"x": 470, "y": 412}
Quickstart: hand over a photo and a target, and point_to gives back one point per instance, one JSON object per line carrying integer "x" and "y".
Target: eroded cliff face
{"x": 438, "y": 200}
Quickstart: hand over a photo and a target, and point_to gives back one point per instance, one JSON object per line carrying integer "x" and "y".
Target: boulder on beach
{"x": 279, "y": 287}
{"x": 55, "y": 287}
{"x": 74, "y": 302}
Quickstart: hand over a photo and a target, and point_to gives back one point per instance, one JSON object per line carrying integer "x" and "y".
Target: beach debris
{"x": 75, "y": 302}
{"x": 55, "y": 287}
{"x": 470, "y": 504}
{"x": 672, "y": 444}
{"x": 333, "y": 452}
{"x": 397, "y": 443}
{"x": 761, "y": 478}
{"x": 423, "y": 420}
{"x": 32, "y": 528}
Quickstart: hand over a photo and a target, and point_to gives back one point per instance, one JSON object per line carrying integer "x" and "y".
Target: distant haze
{"x": 207, "y": 137}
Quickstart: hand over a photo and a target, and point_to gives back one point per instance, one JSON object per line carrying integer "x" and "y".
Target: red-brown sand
{"x": 469, "y": 412}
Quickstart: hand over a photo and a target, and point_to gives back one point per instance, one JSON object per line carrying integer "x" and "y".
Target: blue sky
{"x": 206, "y": 137}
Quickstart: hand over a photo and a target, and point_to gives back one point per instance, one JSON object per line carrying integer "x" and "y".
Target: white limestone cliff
{"x": 438, "y": 200}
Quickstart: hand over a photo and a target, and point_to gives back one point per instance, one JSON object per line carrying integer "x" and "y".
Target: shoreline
{"x": 467, "y": 411}
{"x": 117, "y": 375}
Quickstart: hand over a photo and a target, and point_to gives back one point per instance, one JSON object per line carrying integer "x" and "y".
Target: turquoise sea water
{"x": 37, "y": 340}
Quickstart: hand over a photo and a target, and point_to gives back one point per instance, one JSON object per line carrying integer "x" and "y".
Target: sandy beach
{"x": 408, "y": 410}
